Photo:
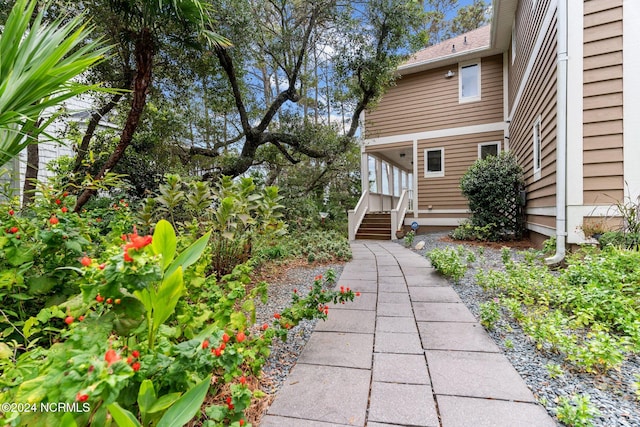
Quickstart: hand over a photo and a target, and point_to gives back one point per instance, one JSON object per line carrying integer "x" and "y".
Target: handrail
{"x": 398, "y": 214}
{"x": 357, "y": 215}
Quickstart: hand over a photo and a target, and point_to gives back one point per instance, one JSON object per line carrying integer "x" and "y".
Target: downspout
{"x": 561, "y": 148}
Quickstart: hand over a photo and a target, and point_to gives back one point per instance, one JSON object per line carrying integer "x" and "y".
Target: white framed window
{"x": 373, "y": 182}
{"x": 487, "y": 149}
{"x": 434, "y": 162}
{"x": 537, "y": 149}
{"x": 469, "y": 81}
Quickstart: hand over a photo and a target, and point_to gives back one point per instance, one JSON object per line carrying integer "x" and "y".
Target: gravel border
{"x": 284, "y": 355}
{"x": 612, "y": 394}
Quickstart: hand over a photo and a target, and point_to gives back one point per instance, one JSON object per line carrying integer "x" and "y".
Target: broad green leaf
{"x": 146, "y": 396}
{"x": 123, "y": 417}
{"x": 250, "y": 307}
{"x": 169, "y": 293}
{"x": 187, "y": 406}
{"x": 145, "y": 298}
{"x": 164, "y": 402}
{"x": 41, "y": 284}
{"x": 5, "y": 351}
{"x": 68, "y": 420}
{"x": 164, "y": 242}
{"x": 238, "y": 320}
{"x": 28, "y": 324}
{"x": 189, "y": 255}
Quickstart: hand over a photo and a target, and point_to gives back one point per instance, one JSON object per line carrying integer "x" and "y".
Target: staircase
{"x": 375, "y": 226}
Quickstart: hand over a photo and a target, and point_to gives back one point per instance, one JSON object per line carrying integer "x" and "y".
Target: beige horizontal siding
{"x": 603, "y": 167}
{"x": 538, "y": 99}
{"x": 528, "y": 25}
{"x": 429, "y": 101}
{"x": 459, "y": 154}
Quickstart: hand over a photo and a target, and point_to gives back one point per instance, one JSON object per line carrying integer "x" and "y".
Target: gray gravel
{"x": 285, "y": 354}
{"x": 612, "y": 394}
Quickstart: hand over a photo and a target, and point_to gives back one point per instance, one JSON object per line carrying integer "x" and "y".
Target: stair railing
{"x": 398, "y": 214}
{"x": 357, "y": 215}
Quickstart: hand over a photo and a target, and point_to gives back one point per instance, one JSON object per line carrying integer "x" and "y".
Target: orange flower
{"x": 111, "y": 357}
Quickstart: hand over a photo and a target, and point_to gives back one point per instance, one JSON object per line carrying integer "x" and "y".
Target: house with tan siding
{"x": 552, "y": 81}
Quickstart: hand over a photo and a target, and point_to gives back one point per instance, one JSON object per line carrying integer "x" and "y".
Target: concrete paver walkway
{"x": 408, "y": 352}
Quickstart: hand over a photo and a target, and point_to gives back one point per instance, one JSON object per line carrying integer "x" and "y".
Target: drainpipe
{"x": 561, "y": 149}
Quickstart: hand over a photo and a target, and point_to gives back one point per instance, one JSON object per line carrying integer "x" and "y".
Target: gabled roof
{"x": 484, "y": 41}
{"x": 473, "y": 40}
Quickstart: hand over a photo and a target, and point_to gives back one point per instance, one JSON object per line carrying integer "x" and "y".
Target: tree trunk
{"x": 144, "y": 54}
{"x": 31, "y": 175}
{"x": 83, "y": 149}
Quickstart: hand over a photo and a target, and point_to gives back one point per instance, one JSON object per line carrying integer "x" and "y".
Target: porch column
{"x": 364, "y": 169}
{"x": 415, "y": 178}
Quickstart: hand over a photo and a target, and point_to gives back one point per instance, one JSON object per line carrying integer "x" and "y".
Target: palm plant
{"x": 38, "y": 70}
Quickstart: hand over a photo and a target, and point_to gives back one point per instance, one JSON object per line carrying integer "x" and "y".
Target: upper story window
{"x": 469, "y": 81}
{"x": 537, "y": 149}
{"x": 433, "y": 162}
{"x": 487, "y": 149}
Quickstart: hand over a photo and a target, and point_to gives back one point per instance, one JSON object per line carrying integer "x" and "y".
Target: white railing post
{"x": 357, "y": 215}
{"x": 398, "y": 214}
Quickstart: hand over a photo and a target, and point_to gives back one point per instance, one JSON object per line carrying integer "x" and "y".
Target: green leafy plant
{"x": 39, "y": 65}
{"x": 408, "y": 238}
{"x": 492, "y": 186}
{"x": 490, "y": 313}
{"x": 554, "y": 370}
{"x": 448, "y": 262}
{"x": 576, "y": 411}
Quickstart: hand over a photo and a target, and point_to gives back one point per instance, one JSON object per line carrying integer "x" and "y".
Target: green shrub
{"x": 448, "y": 262}
{"x": 493, "y": 186}
{"x": 620, "y": 239}
{"x": 577, "y": 411}
{"x": 468, "y": 231}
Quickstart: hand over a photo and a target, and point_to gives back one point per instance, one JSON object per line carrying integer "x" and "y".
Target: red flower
{"x": 295, "y": 291}
{"x": 11, "y": 212}
{"x": 68, "y": 320}
{"x": 318, "y": 277}
{"x": 64, "y": 209}
{"x": 65, "y": 194}
{"x": 217, "y": 352}
{"x": 136, "y": 242}
{"x": 102, "y": 266}
{"x": 82, "y": 397}
{"x": 264, "y": 327}
{"x": 53, "y": 220}
{"x": 127, "y": 258}
{"x": 135, "y": 353}
{"x": 111, "y": 357}
{"x": 129, "y": 360}
{"x": 99, "y": 298}
{"x": 86, "y": 261}
{"x": 222, "y": 346}
{"x": 205, "y": 344}
{"x": 243, "y": 380}
{"x": 58, "y": 201}
{"x": 358, "y": 294}
{"x": 109, "y": 301}
{"x": 80, "y": 318}
{"x": 241, "y": 336}
{"x": 135, "y": 366}
{"x": 225, "y": 338}
{"x": 13, "y": 230}
{"x": 277, "y": 315}
{"x": 241, "y": 422}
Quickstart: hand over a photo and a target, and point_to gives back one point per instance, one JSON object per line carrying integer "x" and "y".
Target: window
{"x": 537, "y": 149}
{"x": 487, "y": 149}
{"x": 469, "y": 81}
{"x": 433, "y": 162}
{"x": 397, "y": 181}
{"x": 386, "y": 189}
{"x": 373, "y": 187}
